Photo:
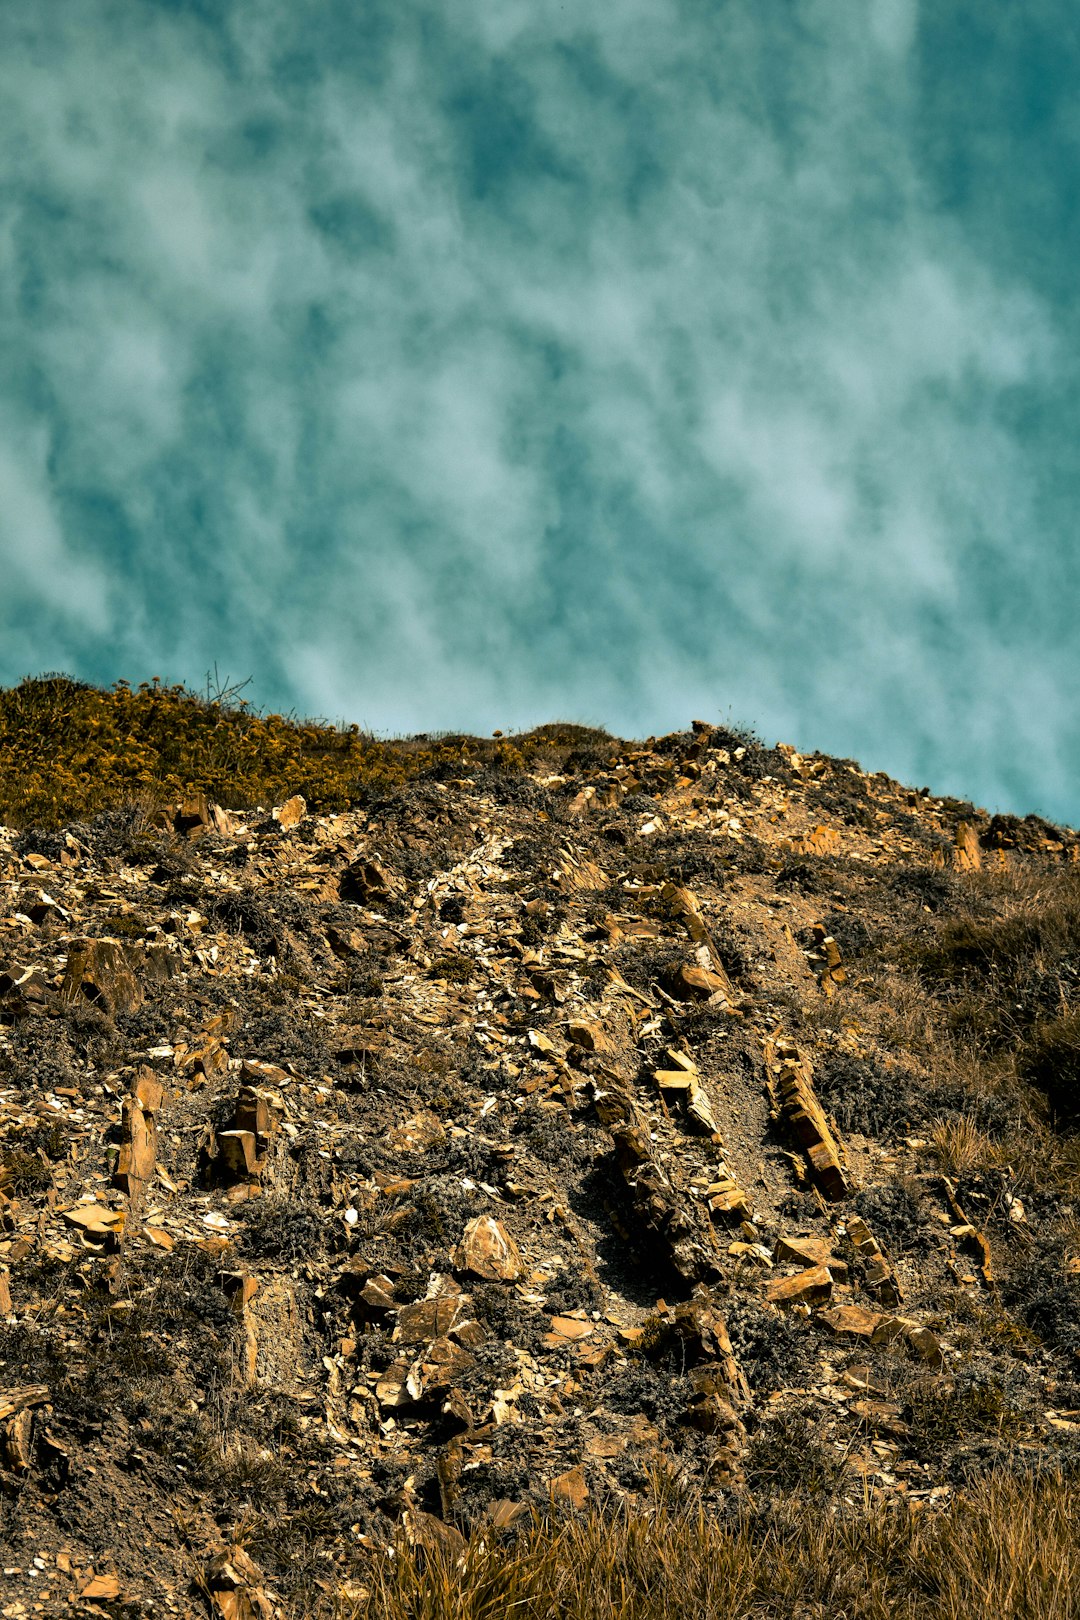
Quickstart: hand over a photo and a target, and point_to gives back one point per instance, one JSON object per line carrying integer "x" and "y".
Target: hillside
{"x": 564, "y": 1161}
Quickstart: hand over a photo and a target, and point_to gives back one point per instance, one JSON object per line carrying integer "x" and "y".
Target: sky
{"x": 445, "y": 364}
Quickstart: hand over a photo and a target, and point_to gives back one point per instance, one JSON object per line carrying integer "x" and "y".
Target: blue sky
{"x": 462, "y": 365}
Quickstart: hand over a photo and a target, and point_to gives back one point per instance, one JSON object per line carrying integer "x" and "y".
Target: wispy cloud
{"x": 465, "y": 365}
{"x": 42, "y": 572}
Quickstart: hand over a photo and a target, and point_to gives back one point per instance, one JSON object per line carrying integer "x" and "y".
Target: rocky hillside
{"x": 565, "y": 1120}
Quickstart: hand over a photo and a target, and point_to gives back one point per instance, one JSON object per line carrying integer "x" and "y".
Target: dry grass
{"x": 907, "y": 1018}
{"x": 1012, "y": 1549}
{"x": 982, "y": 1003}
{"x": 1040, "y": 1156}
{"x": 1051, "y": 1061}
{"x": 1012, "y": 962}
{"x": 961, "y": 1147}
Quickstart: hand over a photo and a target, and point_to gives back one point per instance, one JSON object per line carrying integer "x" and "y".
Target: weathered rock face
{"x": 790, "y": 1075}
{"x": 100, "y": 971}
{"x": 494, "y": 1146}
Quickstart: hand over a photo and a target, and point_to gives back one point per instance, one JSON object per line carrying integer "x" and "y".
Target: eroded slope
{"x": 504, "y": 1141}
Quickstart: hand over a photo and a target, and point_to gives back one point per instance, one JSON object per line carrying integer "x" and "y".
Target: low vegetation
{"x": 72, "y": 751}
{"x": 1011, "y": 1549}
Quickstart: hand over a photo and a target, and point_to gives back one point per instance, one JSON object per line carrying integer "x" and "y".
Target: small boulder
{"x": 487, "y": 1250}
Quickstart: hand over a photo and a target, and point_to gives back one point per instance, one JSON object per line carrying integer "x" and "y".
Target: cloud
{"x": 469, "y": 365}
{"x": 893, "y": 24}
{"x": 40, "y": 569}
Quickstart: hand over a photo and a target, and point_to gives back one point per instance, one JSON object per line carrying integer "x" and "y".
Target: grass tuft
{"x": 1009, "y": 1549}
{"x": 962, "y": 1147}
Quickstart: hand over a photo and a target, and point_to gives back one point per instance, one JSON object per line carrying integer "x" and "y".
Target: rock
{"x": 802, "y": 1251}
{"x": 239, "y": 1154}
{"x": 820, "y": 840}
{"x": 240, "y": 1287}
{"x": 684, "y": 1085}
{"x": 469, "y": 1333}
{"x": 100, "y": 1226}
{"x": 257, "y": 1116}
{"x": 418, "y": 1134}
{"x": 879, "y": 1274}
{"x": 138, "y": 1150}
{"x": 99, "y": 971}
{"x": 448, "y": 1467}
{"x": 853, "y": 1320}
{"x": 700, "y": 1328}
{"x": 23, "y": 992}
{"x": 807, "y": 1287}
{"x": 138, "y": 1133}
{"x": 21, "y": 1400}
{"x": 789, "y": 1079}
{"x": 425, "y": 1530}
{"x": 17, "y": 1448}
{"x": 672, "y": 1221}
{"x": 589, "y": 1034}
{"x": 699, "y": 1111}
{"x": 727, "y": 1199}
{"x": 712, "y": 1414}
{"x": 104, "y": 1587}
{"x": 378, "y": 1294}
{"x": 487, "y": 1250}
{"x": 881, "y": 1417}
{"x": 711, "y": 975}
{"x": 148, "y": 1091}
{"x": 43, "y": 909}
{"x": 698, "y": 983}
{"x": 824, "y": 958}
{"x": 428, "y": 1319}
{"x": 567, "y": 1329}
{"x": 441, "y": 1365}
{"x": 391, "y": 1388}
{"x": 291, "y": 813}
{"x": 198, "y": 815}
{"x": 571, "y": 1487}
{"x": 367, "y": 883}
{"x": 235, "y": 1584}
{"x": 879, "y": 1328}
{"x": 191, "y": 817}
{"x": 502, "y": 1513}
{"x": 976, "y": 1240}
{"x": 967, "y": 852}
{"x": 925, "y": 1344}
{"x": 346, "y": 942}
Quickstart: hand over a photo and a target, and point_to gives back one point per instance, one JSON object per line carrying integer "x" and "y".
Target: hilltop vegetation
{"x": 71, "y": 751}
